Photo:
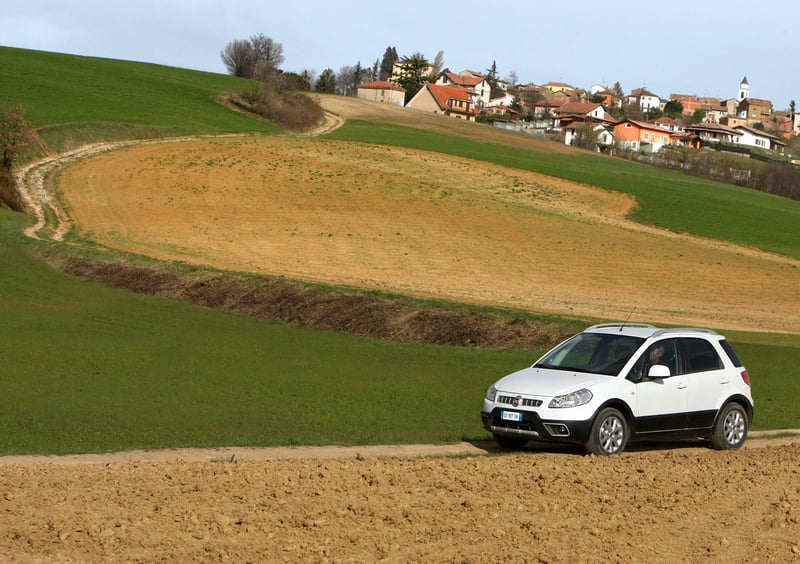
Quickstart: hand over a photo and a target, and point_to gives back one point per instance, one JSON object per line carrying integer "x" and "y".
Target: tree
{"x": 294, "y": 81}
{"x": 512, "y": 79}
{"x": 436, "y": 66}
{"x": 326, "y": 83}
{"x": 268, "y": 55}
{"x": 344, "y": 80}
{"x": 491, "y": 79}
{"x": 412, "y": 74}
{"x": 387, "y": 63}
{"x": 259, "y": 57}
{"x": 698, "y": 116}
{"x": 618, "y": 92}
{"x": 239, "y": 58}
{"x": 674, "y": 109}
{"x": 16, "y": 134}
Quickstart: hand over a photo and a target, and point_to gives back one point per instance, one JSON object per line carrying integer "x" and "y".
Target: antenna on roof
{"x": 628, "y": 318}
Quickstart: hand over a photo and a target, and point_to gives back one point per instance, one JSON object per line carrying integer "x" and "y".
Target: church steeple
{"x": 744, "y": 89}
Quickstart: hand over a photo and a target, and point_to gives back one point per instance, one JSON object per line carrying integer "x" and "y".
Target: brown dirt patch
{"x": 355, "y": 108}
{"x": 683, "y": 505}
{"x": 420, "y": 224}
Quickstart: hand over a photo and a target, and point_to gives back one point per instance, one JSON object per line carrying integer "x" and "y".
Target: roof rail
{"x": 684, "y": 330}
{"x": 621, "y": 326}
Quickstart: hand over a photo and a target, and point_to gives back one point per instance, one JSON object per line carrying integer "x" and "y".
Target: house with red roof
{"x": 451, "y": 101}
{"x": 641, "y": 136}
{"x": 704, "y": 134}
{"x": 571, "y": 112}
{"x": 382, "y": 91}
{"x": 474, "y": 83}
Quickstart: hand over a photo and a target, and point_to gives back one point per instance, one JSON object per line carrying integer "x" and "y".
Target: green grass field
{"x": 90, "y": 369}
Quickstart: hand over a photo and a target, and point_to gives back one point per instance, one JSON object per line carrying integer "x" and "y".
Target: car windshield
{"x": 598, "y": 353}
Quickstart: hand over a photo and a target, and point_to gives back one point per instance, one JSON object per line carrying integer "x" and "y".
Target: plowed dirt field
{"x": 423, "y": 224}
{"x": 685, "y": 504}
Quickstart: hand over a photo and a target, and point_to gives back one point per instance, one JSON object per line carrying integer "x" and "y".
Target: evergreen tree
{"x": 326, "y": 83}
{"x": 413, "y": 74}
{"x": 387, "y": 63}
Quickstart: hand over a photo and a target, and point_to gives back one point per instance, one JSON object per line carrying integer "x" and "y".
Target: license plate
{"x": 511, "y": 416}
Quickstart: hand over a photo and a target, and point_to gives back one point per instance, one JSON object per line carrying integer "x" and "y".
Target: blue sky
{"x": 688, "y": 47}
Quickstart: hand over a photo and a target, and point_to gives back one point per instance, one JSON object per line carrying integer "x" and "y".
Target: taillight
{"x": 746, "y": 377}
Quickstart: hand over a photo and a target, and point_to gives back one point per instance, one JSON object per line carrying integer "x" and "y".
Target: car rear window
{"x": 726, "y": 346}
{"x": 701, "y": 356}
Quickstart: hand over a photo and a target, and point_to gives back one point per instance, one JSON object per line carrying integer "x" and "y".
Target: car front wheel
{"x": 609, "y": 433}
{"x": 730, "y": 430}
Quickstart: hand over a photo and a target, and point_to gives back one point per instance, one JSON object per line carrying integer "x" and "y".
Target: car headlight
{"x": 573, "y": 399}
{"x": 491, "y": 393}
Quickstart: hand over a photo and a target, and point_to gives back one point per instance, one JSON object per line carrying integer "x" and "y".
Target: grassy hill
{"x": 73, "y": 100}
{"x": 87, "y": 368}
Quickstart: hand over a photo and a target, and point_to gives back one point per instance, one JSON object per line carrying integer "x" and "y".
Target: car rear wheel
{"x": 511, "y": 443}
{"x": 730, "y": 430}
{"x": 609, "y": 433}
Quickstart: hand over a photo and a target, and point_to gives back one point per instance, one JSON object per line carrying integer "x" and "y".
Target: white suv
{"x": 618, "y": 382}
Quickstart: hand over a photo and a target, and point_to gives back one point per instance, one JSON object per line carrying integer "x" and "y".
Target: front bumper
{"x": 534, "y": 428}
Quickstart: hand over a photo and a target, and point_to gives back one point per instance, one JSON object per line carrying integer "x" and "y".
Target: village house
{"x": 477, "y": 86}
{"x": 715, "y": 111}
{"x": 788, "y": 123}
{"x": 572, "y": 112}
{"x": 646, "y": 100}
{"x": 669, "y": 124}
{"x": 754, "y": 110}
{"x": 603, "y": 137}
{"x": 757, "y": 138}
{"x": 641, "y": 136}
{"x": 382, "y": 91}
{"x": 451, "y": 101}
{"x": 703, "y": 134}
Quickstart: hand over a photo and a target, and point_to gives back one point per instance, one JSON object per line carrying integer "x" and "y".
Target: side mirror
{"x": 658, "y": 371}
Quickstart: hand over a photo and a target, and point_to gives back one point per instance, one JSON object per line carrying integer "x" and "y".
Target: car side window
{"x": 701, "y": 356}
{"x": 663, "y": 352}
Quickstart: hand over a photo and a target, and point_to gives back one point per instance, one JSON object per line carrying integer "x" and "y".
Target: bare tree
{"x": 512, "y": 79}
{"x": 436, "y": 66}
{"x": 239, "y": 58}
{"x": 344, "y": 80}
{"x": 259, "y": 57}
{"x": 268, "y": 55}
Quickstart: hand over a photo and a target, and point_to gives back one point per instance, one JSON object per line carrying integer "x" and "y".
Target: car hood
{"x": 546, "y": 382}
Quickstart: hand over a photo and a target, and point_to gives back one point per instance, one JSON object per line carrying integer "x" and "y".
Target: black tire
{"x": 609, "y": 433}
{"x": 510, "y": 443}
{"x": 730, "y": 430}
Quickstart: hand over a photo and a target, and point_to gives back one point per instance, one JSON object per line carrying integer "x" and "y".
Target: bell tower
{"x": 744, "y": 89}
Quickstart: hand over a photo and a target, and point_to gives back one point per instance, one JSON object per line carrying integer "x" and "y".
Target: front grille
{"x": 519, "y": 401}
{"x": 526, "y": 426}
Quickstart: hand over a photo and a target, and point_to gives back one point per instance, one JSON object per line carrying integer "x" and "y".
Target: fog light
{"x": 557, "y": 429}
